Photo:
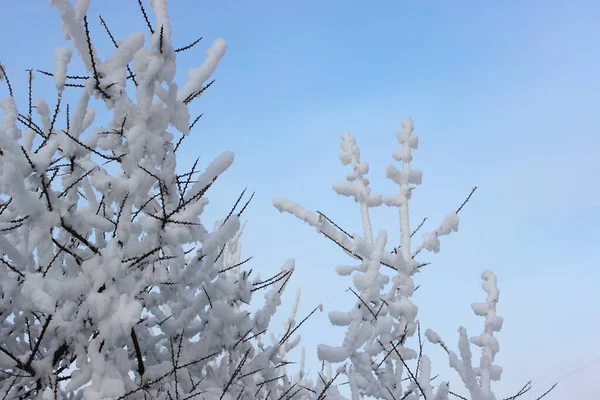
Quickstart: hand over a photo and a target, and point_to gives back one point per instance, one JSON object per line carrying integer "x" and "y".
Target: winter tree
{"x": 375, "y": 357}
{"x": 111, "y": 285}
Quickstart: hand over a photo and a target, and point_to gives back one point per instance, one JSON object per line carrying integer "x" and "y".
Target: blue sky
{"x": 504, "y": 95}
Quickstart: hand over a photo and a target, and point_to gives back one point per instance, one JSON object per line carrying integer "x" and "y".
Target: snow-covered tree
{"x": 110, "y": 284}
{"x": 377, "y": 360}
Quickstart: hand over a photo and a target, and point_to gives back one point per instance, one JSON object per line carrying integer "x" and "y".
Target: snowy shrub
{"x": 375, "y": 355}
{"x": 112, "y": 287}
{"x": 110, "y": 284}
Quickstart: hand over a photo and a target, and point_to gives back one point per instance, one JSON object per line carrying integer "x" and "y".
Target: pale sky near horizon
{"x": 504, "y": 95}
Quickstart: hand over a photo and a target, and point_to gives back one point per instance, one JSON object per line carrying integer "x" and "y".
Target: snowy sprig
{"x": 478, "y": 380}
{"x": 358, "y": 186}
{"x": 111, "y": 285}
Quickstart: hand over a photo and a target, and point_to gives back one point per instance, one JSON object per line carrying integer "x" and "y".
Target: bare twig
{"x": 189, "y": 46}
{"x": 467, "y": 199}
{"x": 418, "y": 227}
{"x": 291, "y": 332}
{"x": 547, "y": 391}
{"x": 334, "y": 224}
{"x": 131, "y": 74}
{"x": 145, "y": 16}
{"x": 138, "y": 353}
{"x": 4, "y": 75}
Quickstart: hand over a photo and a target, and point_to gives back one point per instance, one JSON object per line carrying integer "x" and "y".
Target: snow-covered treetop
{"x": 374, "y": 352}
{"x": 110, "y": 284}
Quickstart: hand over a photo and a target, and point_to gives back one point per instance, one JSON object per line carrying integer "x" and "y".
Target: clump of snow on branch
{"x": 111, "y": 285}
{"x": 375, "y": 355}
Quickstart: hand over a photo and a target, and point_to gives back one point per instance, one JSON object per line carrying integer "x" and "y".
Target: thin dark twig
{"x": 207, "y": 296}
{"x": 547, "y": 391}
{"x": 457, "y": 211}
{"x": 220, "y": 253}
{"x": 418, "y": 227}
{"x": 194, "y": 123}
{"x": 131, "y": 74}
{"x": 365, "y": 304}
{"x": 79, "y": 142}
{"x": 326, "y": 387}
{"x": 254, "y": 336}
{"x": 112, "y": 38}
{"x": 77, "y": 181}
{"x": 284, "y": 284}
{"x": 55, "y": 115}
{"x": 77, "y": 258}
{"x": 185, "y": 186}
{"x": 15, "y": 270}
{"x": 467, "y": 199}
{"x": 160, "y": 43}
{"x": 30, "y": 84}
{"x": 236, "y": 265}
{"x": 277, "y": 275}
{"x": 246, "y": 205}
{"x": 457, "y": 395}
{"x": 334, "y": 224}
{"x": 78, "y": 236}
{"x": 138, "y": 353}
{"x": 290, "y": 333}
{"x": 141, "y": 208}
{"x": 160, "y": 378}
{"x": 29, "y": 161}
{"x": 283, "y": 276}
{"x": 179, "y": 143}
{"x": 235, "y": 373}
{"x": 39, "y": 341}
{"x": 24, "y": 119}
{"x": 420, "y": 346}
{"x": 406, "y": 366}
{"x": 198, "y": 93}
{"x": 80, "y": 77}
{"x": 120, "y": 212}
{"x": 4, "y": 75}
{"x": 189, "y": 46}
{"x": 350, "y": 252}
{"x": 526, "y": 388}
{"x": 92, "y": 58}
{"x": 145, "y": 16}
{"x": 234, "y": 207}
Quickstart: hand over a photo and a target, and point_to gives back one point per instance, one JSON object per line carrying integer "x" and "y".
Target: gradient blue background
{"x": 504, "y": 95}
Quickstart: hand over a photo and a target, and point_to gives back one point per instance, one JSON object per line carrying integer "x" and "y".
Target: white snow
{"x": 63, "y": 57}
{"x": 197, "y": 77}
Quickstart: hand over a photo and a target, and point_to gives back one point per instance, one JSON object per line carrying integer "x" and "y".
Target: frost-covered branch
{"x": 478, "y": 380}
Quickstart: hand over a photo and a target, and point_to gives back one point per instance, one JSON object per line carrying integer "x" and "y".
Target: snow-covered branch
{"x": 478, "y": 380}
